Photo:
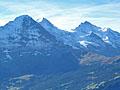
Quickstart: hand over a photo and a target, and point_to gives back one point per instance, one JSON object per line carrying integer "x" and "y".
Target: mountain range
{"x": 39, "y": 56}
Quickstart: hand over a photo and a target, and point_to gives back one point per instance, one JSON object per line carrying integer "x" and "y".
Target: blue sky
{"x": 65, "y": 14}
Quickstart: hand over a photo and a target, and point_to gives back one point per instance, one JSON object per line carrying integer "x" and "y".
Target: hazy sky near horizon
{"x": 65, "y": 14}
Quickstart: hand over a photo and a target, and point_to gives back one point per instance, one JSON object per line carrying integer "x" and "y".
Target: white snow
{"x": 25, "y": 77}
{"x": 36, "y": 39}
{"x": 83, "y": 43}
{"x": 106, "y": 39}
{"x": 104, "y": 29}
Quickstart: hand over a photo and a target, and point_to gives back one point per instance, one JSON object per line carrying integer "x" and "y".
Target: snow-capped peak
{"x": 44, "y": 20}
{"x": 87, "y": 28}
{"x": 47, "y": 24}
{"x": 18, "y": 22}
{"x": 86, "y": 23}
{"x": 23, "y": 17}
{"x": 85, "y": 34}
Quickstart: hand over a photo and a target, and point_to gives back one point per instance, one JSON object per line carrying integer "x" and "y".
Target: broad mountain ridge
{"x": 88, "y": 36}
{"x": 38, "y": 55}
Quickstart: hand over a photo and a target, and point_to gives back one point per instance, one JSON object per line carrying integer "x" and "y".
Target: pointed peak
{"x": 22, "y": 17}
{"x": 44, "y": 19}
{"x": 20, "y": 20}
{"x": 25, "y": 16}
{"x": 109, "y": 29}
{"x": 93, "y": 34}
{"x": 87, "y": 27}
{"x": 87, "y": 23}
{"x": 46, "y": 22}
